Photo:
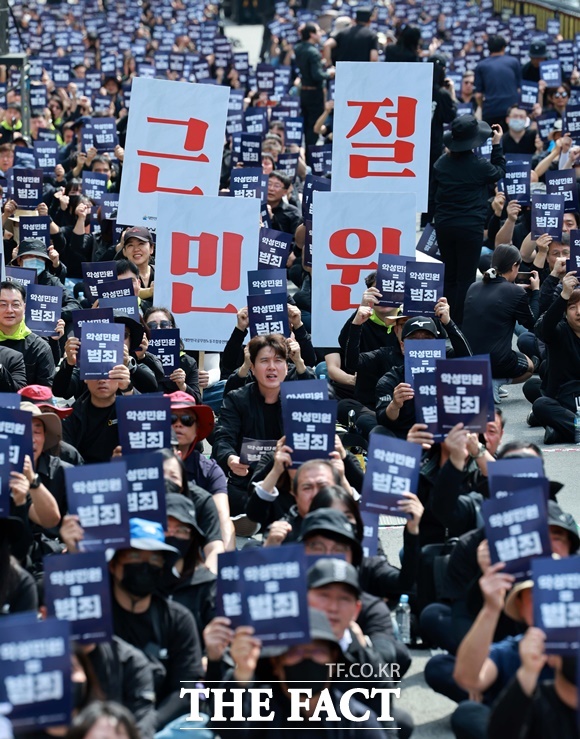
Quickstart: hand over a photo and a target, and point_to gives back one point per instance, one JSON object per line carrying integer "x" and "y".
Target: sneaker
{"x": 503, "y": 393}
{"x": 551, "y": 436}
{"x": 532, "y": 421}
{"x": 496, "y": 391}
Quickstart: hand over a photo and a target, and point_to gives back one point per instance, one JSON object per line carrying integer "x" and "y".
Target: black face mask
{"x": 172, "y": 487}
{"x": 141, "y": 578}
{"x": 307, "y": 674}
{"x": 181, "y": 544}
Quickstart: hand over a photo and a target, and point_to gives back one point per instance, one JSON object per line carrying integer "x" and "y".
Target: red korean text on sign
{"x": 340, "y": 295}
{"x": 207, "y": 247}
{"x": 400, "y": 152}
{"x": 194, "y": 143}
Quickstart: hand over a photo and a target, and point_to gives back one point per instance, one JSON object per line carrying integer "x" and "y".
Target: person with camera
{"x": 492, "y": 309}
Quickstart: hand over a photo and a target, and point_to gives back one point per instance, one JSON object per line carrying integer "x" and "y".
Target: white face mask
{"x": 39, "y": 265}
{"x": 516, "y": 124}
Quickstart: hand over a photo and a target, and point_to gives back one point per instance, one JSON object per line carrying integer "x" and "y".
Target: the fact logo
{"x": 253, "y": 704}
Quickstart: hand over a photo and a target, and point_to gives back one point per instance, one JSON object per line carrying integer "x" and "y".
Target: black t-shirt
{"x": 526, "y": 145}
{"x": 96, "y": 435}
{"x": 355, "y": 44}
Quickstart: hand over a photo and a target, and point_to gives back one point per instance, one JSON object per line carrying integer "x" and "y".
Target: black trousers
{"x": 460, "y": 251}
{"x": 312, "y": 103}
{"x": 550, "y": 413}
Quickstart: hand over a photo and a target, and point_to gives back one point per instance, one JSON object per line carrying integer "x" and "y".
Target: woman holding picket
{"x": 462, "y": 183}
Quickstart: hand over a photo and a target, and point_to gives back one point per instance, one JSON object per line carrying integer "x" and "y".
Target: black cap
{"x": 363, "y": 14}
{"x": 319, "y": 629}
{"x": 32, "y": 248}
{"x": 327, "y": 521}
{"x": 538, "y": 50}
{"x": 327, "y": 571}
{"x": 557, "y": 517}
{"x": 181, "y": 507}
{"x": 419, "y": 323}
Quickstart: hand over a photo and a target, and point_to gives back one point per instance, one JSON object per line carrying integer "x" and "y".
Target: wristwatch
{"x": 481, "y": 451}
{"x": 35, "y": 482}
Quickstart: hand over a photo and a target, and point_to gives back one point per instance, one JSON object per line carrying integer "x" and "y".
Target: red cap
{"x": 42, "y": 396}
{"x": 138, "y": 232}
{"x": 204, "y": 414}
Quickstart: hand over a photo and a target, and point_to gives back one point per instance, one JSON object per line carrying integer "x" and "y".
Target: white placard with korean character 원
{"x": 101, "y": 349}
{"x": 516, "y": 528}
{"x": 382, "y": 128}
{"x": 77, "y": 589}
{"x": 212, "y": 243}
{"x": 169, "y": 149}
{"x": 463, "y": 394}
{"x": 146, "y": 487}
{"x": 350, "y": 230}
{"x": 392, "y": 469}
{"x": 310, "y": 428}
{"x": 144, "y": 422}
{"x": 43, "y": 308}
{"x": 97, "y": 494}
{"x": 424, "y": 283}
{"x": 35, "y": 672}
{"x": 557, "y": 603}
{"x": 265, "y": 588}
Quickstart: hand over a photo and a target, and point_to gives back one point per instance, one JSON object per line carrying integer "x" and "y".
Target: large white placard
{"x": 205, "y": 248}
{"x": 175, "y": 138}
{"x": 349, "y": 231}
{"x": 382, "y": 128}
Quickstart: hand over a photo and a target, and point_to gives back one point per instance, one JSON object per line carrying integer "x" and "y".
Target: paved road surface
{"x": 430, "y": 711}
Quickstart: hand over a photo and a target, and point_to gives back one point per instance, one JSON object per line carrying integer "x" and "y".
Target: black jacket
{"x": 37, "y": 358}
{"x": 12, "y": 370}
{"x": 126, "y": 677}
{"x": 461, "y": 188}
{"x": 196, "y": 592}
{"x": 490, "y": 315}
{"x": 309, "y": 63}
{"x": 98, "y": 445}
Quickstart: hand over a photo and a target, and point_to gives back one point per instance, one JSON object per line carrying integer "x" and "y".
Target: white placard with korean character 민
{"x": 516, "y": 528}
{"x": 382, "y": 128}
{"x": 392, "y": 469}
{"x": 310, "y": 428}
{"x": 174, "y": 145}
{"x": 463, "y": 394}
{"x": 35, "y": 672}
{"x": 77, "y": 589}
{"x": 265, "y": 587}
{"x": 97, "y": 494}
{"x": 101, "y": 349}
{"x": 557, "y": 603}
{"x": 43, "y": 308}
{"x": 350, "y": 230}
{"x": 212, "y": 243}
{"x": 144, "y": 423}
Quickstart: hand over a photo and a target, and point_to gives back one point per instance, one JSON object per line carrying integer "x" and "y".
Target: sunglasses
{"x": 162, "y": 324}
{"x": 560, "y": 94}
{"x": 185, "y": 420}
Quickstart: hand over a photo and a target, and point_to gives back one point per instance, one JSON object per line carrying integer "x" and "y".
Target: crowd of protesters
{"x": 166, "y": 626}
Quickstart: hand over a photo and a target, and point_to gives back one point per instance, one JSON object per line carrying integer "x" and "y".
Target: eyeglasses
{"x": 185, "y": 420}
{"x": 183, "y": 531}
{"x": 162, "y": 324}
{"x": 15, "y": 306}
{"x": 560, "y": 94}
